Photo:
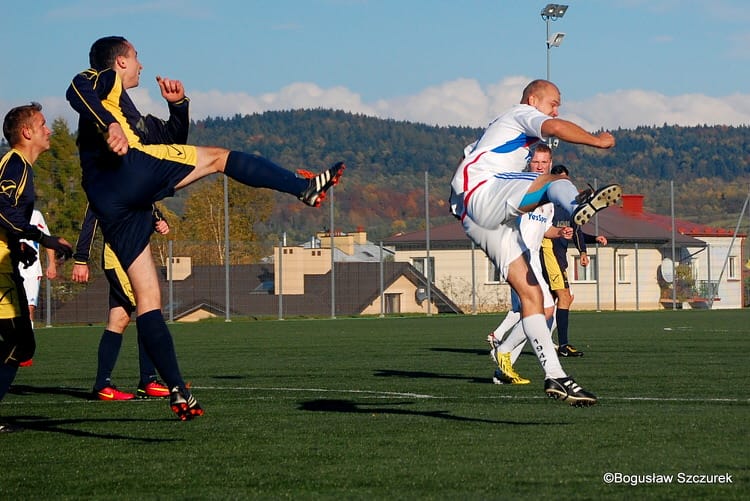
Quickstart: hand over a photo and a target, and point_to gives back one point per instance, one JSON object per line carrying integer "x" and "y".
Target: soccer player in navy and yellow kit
{"x": 121, "y": 307}
{"x": 129, "y": 161}
{"x": 27, "y": 134}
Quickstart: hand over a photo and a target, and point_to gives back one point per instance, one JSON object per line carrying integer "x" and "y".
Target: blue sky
{"x": 623, "y": 63}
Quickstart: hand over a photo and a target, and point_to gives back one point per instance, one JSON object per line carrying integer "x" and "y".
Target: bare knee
{"x": 212, "y": 159}
{"x": 118, "y": 320}
{"x": 564, "y": 298}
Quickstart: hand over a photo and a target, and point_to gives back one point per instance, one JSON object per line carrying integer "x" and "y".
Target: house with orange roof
{"x": 645, "y": 266}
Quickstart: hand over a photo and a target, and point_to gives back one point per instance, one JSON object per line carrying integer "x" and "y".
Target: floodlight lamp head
{"x": 555, "y": 40}
{"x": 553, "y": 11}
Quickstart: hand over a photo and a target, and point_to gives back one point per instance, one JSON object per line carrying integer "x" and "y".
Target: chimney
{"x": 632, "y": 204}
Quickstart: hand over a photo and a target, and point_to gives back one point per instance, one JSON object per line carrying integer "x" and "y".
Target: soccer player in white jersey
{"x": 534, "y": 226}
{"x": 32, "y": 275}
{"x": 490, "y": 190}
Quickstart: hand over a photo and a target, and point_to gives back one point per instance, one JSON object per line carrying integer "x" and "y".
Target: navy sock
{"x": 7, "y": 375}
{"x": 109, "y": 350}
{"x": 562, "y": 326}
{"x": 148, "y": 371}
{"x": 259, "y": 172}
{"x": 157, "y": 340}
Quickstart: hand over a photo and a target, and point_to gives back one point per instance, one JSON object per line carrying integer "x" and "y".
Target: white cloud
{"x": 631, "y": 108}
{"x": 459, "y": 102}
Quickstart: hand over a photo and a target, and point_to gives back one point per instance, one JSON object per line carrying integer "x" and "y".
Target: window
{"x": 584, "y": 274}
{"x": 419, "y": 264}
{"x": 732, "y": 268}
{"x": 623, "y": 273}
{"x": 392, "y": 303}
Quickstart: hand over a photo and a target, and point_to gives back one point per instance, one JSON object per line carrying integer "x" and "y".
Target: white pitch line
{"x": 385, "y": 394}
{"x": 317, "y": 390}
{"x": 395, "y": 394}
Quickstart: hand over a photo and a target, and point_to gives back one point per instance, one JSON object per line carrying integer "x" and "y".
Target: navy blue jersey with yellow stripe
{"x": 16, "y": 205}
{"x": 122, "y": 189}
{"x": 100, "y": 100}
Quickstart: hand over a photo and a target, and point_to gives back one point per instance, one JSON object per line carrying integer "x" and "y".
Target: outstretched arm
{"x": 572, "y": 133}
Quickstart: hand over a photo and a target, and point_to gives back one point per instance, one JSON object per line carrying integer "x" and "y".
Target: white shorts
{"x": 497, "y": 200}
{"x": 31, "y": 286}
{"x": 503, "y": 245}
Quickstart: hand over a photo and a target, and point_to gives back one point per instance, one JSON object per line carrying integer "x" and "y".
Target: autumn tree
{"x": 57, "y": 179}
{"x": 201, "y": 230}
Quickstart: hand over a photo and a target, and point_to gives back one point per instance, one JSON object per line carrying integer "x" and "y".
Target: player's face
{"x": 131, "y": 68}
{"x": 541, "y": 162}
{"x": 546, "y": 100}
{"x": 37, "y": 132}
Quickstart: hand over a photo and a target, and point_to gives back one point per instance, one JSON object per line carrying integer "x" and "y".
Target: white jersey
{"x": 33, "y": 274}
{"x": 533, "y": 226}
{"x": 504, "y": 147}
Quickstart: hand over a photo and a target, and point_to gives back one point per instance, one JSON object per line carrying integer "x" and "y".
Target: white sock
{"x": 511, "y": 319}
{"x": 513, "y": 342}
{"x": 540, "y": 338}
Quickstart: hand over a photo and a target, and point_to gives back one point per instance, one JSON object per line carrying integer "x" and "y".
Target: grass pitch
{"x": 395, "y": 408}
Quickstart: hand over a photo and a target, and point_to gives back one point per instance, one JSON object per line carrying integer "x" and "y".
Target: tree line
{"x": 383, "y": 188}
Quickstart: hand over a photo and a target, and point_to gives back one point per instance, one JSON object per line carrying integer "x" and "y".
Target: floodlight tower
{"x": 553, "y": 12}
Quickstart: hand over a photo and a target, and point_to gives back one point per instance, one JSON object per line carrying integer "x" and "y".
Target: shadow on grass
{"x": 465, "y": 351}
{"x": 22, "y": 389}
{"x": 428, "y": 375}
{"x": 45, "y": 424}
{"x": 347, "y": 406}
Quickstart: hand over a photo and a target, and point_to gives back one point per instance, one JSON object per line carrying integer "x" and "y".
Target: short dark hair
{"x": 559, "y": 169}
{"x": 542, "y": 147}
{"x": 105, "y": 50}
{"x": 16, "y": 119}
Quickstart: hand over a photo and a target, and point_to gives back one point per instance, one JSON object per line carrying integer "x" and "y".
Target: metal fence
{"x": 194, "y": 288}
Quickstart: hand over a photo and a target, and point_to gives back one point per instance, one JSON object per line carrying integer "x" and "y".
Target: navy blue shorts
{"x": 122, "y": 197}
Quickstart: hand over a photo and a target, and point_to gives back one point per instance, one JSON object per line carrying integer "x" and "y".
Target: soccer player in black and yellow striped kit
{"x": 26, "y": 131}
{"x": 121, "y": 308}
{"x": 129, "y": 161}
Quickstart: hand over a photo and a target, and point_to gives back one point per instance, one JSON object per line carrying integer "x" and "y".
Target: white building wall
{"x": 453, "y": 275}
{"x": 637, "y": 288}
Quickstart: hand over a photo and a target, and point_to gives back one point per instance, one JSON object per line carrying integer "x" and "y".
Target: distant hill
{"x": 383, "y": 188}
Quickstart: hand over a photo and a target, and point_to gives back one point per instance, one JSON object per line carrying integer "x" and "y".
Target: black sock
{"x": 562, "y": 326}
{"x": 7, "y": 374}
{"x": 148, "y": 371}
{"x": 157, "y": 341}
{"x": 109, "y": 350}
{"x": 259, "y": 172}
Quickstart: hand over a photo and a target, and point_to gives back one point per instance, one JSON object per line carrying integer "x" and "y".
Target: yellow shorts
{"x": 556, "y": 277}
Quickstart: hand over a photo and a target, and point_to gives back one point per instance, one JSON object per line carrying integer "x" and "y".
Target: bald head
{"x": 542, "y": 95}
{"x": 538, "y": 88}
